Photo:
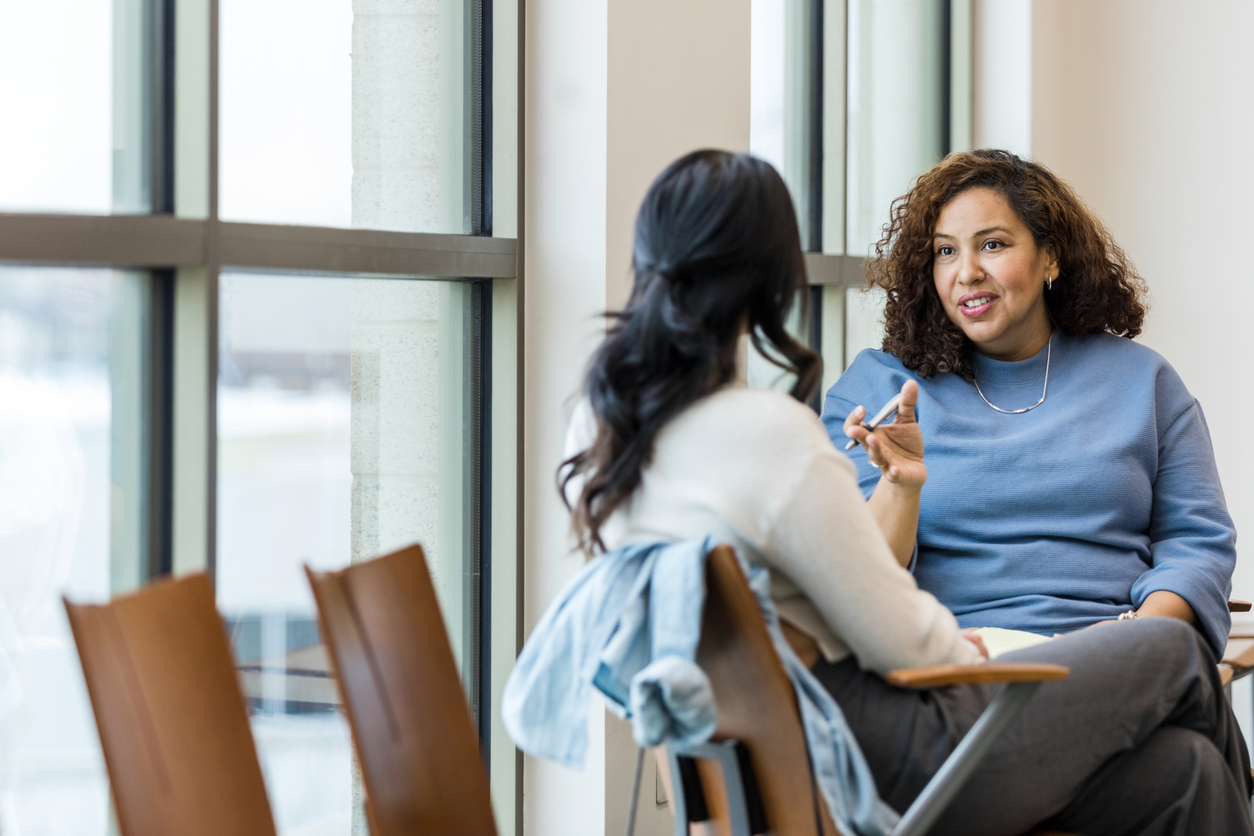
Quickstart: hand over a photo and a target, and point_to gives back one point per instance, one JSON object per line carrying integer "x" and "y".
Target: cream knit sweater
{"x": 756, "y": 468}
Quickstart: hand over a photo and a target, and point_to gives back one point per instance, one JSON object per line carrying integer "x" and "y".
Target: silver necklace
{"x": 1049, "y": 347}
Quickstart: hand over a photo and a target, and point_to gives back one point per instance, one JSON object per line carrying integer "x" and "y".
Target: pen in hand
{"x": 883, "y": 415}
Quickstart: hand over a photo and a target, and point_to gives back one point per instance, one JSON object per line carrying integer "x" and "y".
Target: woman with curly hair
{"x": 1069, "y": 477}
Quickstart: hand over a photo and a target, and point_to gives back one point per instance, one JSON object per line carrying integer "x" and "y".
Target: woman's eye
{"x": 945, "y": 251}
{"x": 993, "y": 245}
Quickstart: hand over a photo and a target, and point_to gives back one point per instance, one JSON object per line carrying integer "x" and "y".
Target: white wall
{"x": 615, "y": 90}
{"x": 564, "y": 276}
{"x": 1146, "y": 107}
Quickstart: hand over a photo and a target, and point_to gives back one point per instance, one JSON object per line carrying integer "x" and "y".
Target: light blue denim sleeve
{"x": 671, "y": 698}
{"x": 545, "y": 702}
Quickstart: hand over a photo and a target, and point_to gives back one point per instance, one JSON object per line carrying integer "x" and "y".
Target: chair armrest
{"x": 936, "y": 676}
{"x": 1239, "y": 653}
{"x": 1238, "y": 606}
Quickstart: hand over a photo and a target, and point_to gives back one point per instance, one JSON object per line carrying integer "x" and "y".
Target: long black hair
{"x": 716, "y": 251}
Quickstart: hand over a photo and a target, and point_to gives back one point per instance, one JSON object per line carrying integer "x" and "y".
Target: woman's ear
{"x": 1051, "y": 262}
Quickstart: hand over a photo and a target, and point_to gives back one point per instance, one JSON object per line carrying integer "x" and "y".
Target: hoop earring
{"x": 1049, "y": 282}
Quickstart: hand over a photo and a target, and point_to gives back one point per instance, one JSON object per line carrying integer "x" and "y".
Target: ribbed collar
{"x": 988, "y": 370}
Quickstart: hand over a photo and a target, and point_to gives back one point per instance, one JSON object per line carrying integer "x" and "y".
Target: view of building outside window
{"x": 71, "y": 364}
{"x": 340, "y": 418}
{"x": 340, "y": 400}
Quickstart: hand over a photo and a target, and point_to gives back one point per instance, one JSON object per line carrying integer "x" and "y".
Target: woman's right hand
{"x": 896, "y": 448}
{"x": 972, "y": 636}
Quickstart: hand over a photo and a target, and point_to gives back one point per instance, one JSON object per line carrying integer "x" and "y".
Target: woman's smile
{"x": 976, "y": 304}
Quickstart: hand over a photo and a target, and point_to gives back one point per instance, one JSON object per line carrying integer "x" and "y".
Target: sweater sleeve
{"x": 868, "y": 382}
{"x": 1192, "y": 539}
{"x": 826, "y": 541}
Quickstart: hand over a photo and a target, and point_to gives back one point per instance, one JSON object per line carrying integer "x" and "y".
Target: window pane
{"x": 71, "y": 349}
{"x": 343, "y": 433}
{"x": 72, "y": 95}
{"x": 864, "y": 320}
{"x": 345, "y": 113}
{"x": 782, "y": 74}
{"x": 767, "y": 74}
{"x": 896, "y": 107}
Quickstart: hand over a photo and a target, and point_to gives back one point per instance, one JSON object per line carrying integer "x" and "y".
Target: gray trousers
{"x": 1138, "y": 740}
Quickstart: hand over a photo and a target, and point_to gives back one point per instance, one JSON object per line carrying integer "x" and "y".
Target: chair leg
{"x": 958, "y": 767}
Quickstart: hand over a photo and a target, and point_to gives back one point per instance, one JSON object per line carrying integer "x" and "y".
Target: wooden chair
{"x": 172, "y": 721}
{"x": 399, "y": 684}
{"x": 755, "y": 773}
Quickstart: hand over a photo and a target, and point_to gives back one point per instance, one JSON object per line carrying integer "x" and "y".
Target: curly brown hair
{"x": 1097, "y": 288}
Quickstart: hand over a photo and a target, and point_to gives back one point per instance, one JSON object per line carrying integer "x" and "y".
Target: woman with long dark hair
{"x": 669, "y": 444}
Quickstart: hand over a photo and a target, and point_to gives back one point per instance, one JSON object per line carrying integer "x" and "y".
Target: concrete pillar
{"x": 407, "y": 115}
{"x": 407, "y": 337}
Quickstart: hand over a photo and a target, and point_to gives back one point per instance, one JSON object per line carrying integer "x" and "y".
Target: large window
{"x": 852, "y": 100}
{"x": 252, "y": 317}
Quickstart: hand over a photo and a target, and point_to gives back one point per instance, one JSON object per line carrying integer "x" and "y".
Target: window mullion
{"x": 194, "y": 306}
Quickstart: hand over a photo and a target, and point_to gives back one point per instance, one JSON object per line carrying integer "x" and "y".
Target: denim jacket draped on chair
{"x": 628, "y": 624}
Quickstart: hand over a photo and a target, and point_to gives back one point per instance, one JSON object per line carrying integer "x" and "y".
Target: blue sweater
{"x": 1069, "y": 514}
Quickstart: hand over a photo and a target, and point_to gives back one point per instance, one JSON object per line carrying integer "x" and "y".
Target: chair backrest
{"x": 756, "y": 705}
{"x": 411, "y": 723}
{"x": 172, "y": 720}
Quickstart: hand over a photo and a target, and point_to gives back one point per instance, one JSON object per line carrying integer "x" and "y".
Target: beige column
{"x": 678, "y": 80}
